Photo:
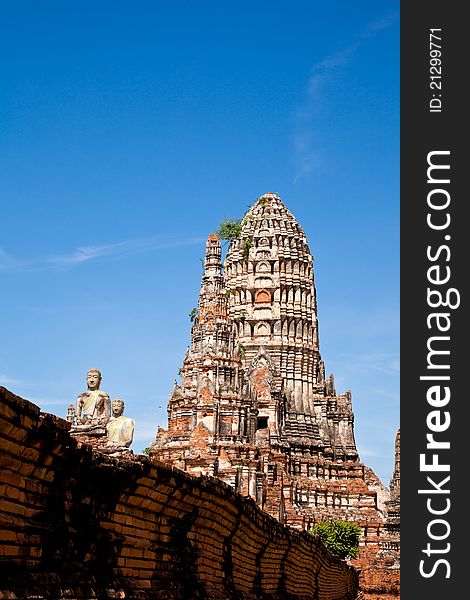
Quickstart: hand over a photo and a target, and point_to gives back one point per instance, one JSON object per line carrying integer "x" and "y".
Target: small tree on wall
{"x": 229, "y": 229}
{"x": 339, "y": 537}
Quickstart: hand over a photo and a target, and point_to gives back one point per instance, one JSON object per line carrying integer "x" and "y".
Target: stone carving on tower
{"x": 254, "y": 407}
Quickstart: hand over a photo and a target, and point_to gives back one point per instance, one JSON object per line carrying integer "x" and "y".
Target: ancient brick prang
{"x": 75, "y": 523}
{"x": 254, "y": 407}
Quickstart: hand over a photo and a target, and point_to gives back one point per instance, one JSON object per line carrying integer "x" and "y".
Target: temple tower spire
{"x": 273, "y": 307}
{"x": 253, "y": 373}
{"x": 273, "y": 300}
{"x": 210, "y": 321}
{"x": 212, "y": 261}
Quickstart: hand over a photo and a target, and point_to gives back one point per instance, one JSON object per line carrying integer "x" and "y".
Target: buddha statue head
{"x": 117, "y": 407}
{"x": 93, "y": 379}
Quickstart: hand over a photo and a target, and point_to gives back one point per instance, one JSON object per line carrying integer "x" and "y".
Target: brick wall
{"x": 77, "y": 524}
{"x": 378, "y": 579}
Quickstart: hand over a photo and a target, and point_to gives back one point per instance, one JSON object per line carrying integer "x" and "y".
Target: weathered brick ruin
{"x": 392, "y": 524}
{"x": 380, "y": 569}
{"x": 76, "y": 523}
{"x": 254, "y": 407}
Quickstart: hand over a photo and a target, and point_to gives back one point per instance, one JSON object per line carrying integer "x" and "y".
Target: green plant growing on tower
{"x": 246, "y": 249}
{"x": 230, "y": 229}
{"x": 339, "y": 537}
{"x": 193, "y": 315}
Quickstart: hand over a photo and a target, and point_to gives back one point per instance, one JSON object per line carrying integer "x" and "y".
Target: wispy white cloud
{"x": 144, "y": 434}
{"x": 303, "y": 143}
{"x": 7, "y": 262}
{"x": 5, "y": 380}
{"x": 382, "y": 23}
{"x": 369, "y": 452}
{"x": 344, "y": 55}
{"x": 308, "y": 163}
{"x": 329, "y": 63}
{"x": 308, "y": 158}
{"x": 86, "y": 254}
{"x": 386, "y": 363}
{"x": 44, "y": 403}
{"x": 387, "y": 395}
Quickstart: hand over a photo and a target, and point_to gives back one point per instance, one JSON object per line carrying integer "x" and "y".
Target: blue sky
{"x": 129, "y": 130}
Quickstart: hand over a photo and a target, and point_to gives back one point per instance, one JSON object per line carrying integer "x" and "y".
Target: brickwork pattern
{"x": 380, "y": 565}
{"x": 77, "y": 524}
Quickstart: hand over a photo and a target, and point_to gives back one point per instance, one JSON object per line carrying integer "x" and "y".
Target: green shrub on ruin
{"x": 229, "y": 229}
{"x": 339, "y": 537}
{"x": 246, "y": 249}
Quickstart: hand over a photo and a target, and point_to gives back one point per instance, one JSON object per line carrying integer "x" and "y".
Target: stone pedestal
{"x": 96, "y": 437}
